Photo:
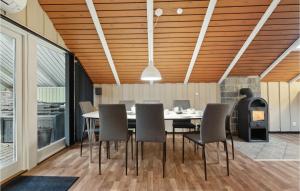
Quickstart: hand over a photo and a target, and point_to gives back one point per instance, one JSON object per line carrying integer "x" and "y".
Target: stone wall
{"x": 230, "y": 88}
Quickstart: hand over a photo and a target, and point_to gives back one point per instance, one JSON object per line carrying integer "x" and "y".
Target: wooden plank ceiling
{"x": 278, "y": 33}
{"x": 286, "y": 70}
{"x": 124, "y": 23}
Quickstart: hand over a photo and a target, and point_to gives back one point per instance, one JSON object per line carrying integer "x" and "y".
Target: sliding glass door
{"x": 11, "y": 126}
{"x": 51, "y": 99}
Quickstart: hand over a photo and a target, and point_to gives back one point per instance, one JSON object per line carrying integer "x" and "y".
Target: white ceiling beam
{"x": 280, "y": 58}
{"x": 208, "y": 15}
{"x": 257, "y": 28}
{"x": 101, "y": 36}
{"x": 297, "y": 77}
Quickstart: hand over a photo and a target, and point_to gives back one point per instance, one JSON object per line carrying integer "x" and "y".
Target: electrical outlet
{"x": 294, "y": 124}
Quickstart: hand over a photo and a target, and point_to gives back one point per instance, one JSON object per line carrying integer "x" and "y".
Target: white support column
{"x": 201, "y": 36}
{"x": 280, "y": 58}
{"x": 297, "y": 77}
{"x": 101, "y": 36}
{"x": 257, "y": 28}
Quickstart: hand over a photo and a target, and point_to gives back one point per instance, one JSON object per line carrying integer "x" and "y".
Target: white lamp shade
{"x": 151, "y": 73}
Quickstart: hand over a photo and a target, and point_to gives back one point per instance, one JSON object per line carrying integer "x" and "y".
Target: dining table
{"x": 90, "y": 120}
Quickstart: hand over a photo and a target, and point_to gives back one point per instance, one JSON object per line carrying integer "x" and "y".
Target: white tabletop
{"x": 168, "y": 115}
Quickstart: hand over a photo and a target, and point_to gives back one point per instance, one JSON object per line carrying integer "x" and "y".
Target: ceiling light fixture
{"x": 158, "y": 12}
{"x": 179, "y": 11}
{"x": 298, "y": 47}
{"x": 151, "y": 73}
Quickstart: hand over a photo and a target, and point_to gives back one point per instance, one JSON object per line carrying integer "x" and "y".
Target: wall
{"x": 51, "y": 94}
{"x": 83, "y": 92}
{"x": 284, "y": 105}
{"x": 230, "y": 93}
{"x": 199, "y": 94}
{"x": 34, "y": 18}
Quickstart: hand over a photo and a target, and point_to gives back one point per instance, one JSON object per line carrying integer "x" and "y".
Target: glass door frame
{"x": 54, "y": 147}
{"x": 10, "y": 169}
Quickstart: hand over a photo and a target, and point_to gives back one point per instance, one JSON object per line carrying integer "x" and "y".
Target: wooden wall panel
{"x": 284, "y": 103}
{"x": 284, "y": 100}
{"x": 295, "y": 106}
{"x": 199, "y": 94}
{"x": 35, "y": 16}
{"x": 274, "y": 108}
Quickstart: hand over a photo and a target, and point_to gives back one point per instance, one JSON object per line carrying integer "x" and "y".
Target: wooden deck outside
{"x": 6, "y": 153}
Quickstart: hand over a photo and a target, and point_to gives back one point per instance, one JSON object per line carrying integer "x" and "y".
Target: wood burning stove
{"x": 252, "y": 118}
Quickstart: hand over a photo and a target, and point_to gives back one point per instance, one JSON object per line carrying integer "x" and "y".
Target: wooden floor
{"x": 245, "y": 174}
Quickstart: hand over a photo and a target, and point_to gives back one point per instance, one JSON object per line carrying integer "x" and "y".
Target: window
{"x": 51, "y": 97}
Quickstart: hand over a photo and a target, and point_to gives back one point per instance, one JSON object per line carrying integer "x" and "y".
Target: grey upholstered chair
{"x": 113, "y": 127}
{"x": 150, "y": 127}
{"x": 129, "y": 104}
{"x": 181, "y": 123}
{"x": 212, "y": 130}
{"x": 86, "y": 107}
{"x": 228, "y": 128}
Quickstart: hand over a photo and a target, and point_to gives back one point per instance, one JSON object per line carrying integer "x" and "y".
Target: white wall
{"x": 199, "y": 94}
{"x": 283, "y": 98}
{"x": 51, "y": 94}
{"x": 284, "y": 105}
{"x": 34, "y": 18}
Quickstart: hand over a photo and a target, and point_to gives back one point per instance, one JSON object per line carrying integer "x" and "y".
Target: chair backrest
{"x": 151, "y": 101}
{"x": 86, "y": 107}
{"x": 213, "y": 123}
{"x": 113, "y": 122}
{"x": 228, "y": 117}
{"x": 150, "y": 124}
{"x": 184, "y": 104}
{"x": 128, "y": 104}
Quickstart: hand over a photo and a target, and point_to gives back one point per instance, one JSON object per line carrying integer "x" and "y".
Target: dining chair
{"x": 113, "y": 127}
{"x": 129, "y": 104}
{"x": 228, "y": 128}
{"x": 212, "y": 130}
{"x": 150, "y": 127}
{"x": 182, "y": 123}
{"x": 86, "y": 107}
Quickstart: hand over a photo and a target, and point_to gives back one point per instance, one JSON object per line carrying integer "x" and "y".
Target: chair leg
{"x": 107, "y": 150}
{"x": 126, "y": 156}
{"x": 204, "y": 158}
{"x": 173, "y": 138}
{"x": 227, "y": 160}
{"x": 137, "y": 157}
{"x": 131, "y": 146}
{"x": 164, "y": 158}
{"x": 142, "y": 150}
{"x": 116, "y": 145}
{"x": 81, "y": 141}
{"x": 232, "y": 146}
{"x": 182, "y": 148}
{"x": 100, "y": 157}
